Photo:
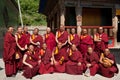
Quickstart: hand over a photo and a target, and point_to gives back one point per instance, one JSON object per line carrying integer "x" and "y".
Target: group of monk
{"x": 62, "y": 53}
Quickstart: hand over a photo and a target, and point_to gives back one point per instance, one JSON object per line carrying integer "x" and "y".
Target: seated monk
{"x": 59, "y": 58}
{"x": 31, "y": 63}
{"x": 75, "y": 63}
{"x": 46, "y": 65}
{"x": 91, "y": 61}
{"x": 107, "y": 64}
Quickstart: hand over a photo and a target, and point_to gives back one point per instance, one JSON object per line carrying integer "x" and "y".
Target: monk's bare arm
{"x": 95, "y": 39}
{"x": 32, "y": 42}
{"x": 56, "y": 37}
{"x": 69, "y": 40}
{"x": 24, "y": 61}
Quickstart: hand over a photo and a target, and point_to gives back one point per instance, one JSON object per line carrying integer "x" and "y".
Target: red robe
{"x": 36, "y": 39}
{"x": 45, "y": 66}
{"x": 50, "y": 41}
{"x": 26, "y": 37}
{"x": 61, "y": 58}
{"x": 108, "y": 72}
{"x": 9, "y": 54}
{"x": 32, "y": 60}
{"x": 92, "y": 59}
{"x": 72, "y": 64}
{"x": 74, "y": 39}
{"x": 101, "y": 46}
{"x": 85, "y": 42}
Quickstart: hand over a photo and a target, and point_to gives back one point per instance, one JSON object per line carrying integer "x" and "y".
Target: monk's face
{"x": 10, "y": 29}
{"x": 73, "y": 47}
{"x": 25, "y": 29}
{"x": 84, "y": 31}
{"x": 36, "y": 31}
{"x": 44, "y": 46}
{"x": 31, "y": 48}
{"x": 48, "y": 30}
{"x": 73, "y": 31}
{"x": 20, "y": 30}
{"x": 90, "y": 50}
{"x": 100, "y": 30}
{"x": 62, "y": 28}
{"x": 106, "y": 52}
{"x": 59, "y": 45}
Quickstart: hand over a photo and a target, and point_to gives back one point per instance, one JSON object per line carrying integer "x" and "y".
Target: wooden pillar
{"x": 115, "y": 25}
{"x": 62, "y": 12}
{"x": 79, "y": 17}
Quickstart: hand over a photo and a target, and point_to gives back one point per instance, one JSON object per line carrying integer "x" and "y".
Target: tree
{"x": 30, "y": 15}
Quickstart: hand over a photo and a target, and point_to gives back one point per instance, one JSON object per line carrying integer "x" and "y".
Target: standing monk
{"x": 85, "y": 42}
{"x": 107, "y": 64}
{"x": 36, "y": 40}
{"x": 31, "y": 62}
{"x": 59, "y": 57}
{"x": 62, "y": 37}
{"x": 101, "y": 41}
{"x": 91, "y": 61}
{"x": 73, "y": 38}
{"x": 9, "y": 53}
{"x": 46, "y": 65}
{"x": 75, "y": 63}
{"x": 26, "y": 35}
{"x": 21, "y": 47}
{"x": 50, "y": 39}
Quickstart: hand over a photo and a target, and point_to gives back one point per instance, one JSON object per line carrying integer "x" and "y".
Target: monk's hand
{"x": 30, "y": 66}
{"x": 79, "y": 63}
{"x": 22, "y": 49}
{"x": 88, "y": 65}
{"x": 51, "y": 63}
{"x": 39, "y": 62}
{"x": 55, "y": 62}
{"x": 26, "y": 47}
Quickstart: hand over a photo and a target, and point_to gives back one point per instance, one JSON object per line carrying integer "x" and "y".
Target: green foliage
{"x": 30, "y": 13}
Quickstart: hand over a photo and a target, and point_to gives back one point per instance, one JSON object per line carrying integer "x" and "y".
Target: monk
{"x": 101, "y": 41}
{"x": 46, "y": 65}
{"x": 73, "y": 38}
{"x": 31, "y": 63}
{"x": 36, "y": 40}
{"x": 50, "y": 39}
{"x": 21, "y": 47}
{"x": 59, "y": 56}
{"x": 9, "y": 53}
{"x": 85, "y": 42}
{"x": 92, "y": 61}
{"x": 62, "y": 36}
{"x": 75, "y": 63}
{"x": 107, "y": 64}
{"x": 26, "y": 35}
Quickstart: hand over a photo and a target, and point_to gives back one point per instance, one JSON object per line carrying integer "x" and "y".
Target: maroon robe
{"x": 63, "y": 37}
{"x": 108, "y": 72}
{"x": 101, "y": 46}
{"x": 32, "y": 60}
{"x": 85, "y": 42}
{"x": 36, "y": 39}
{"x": 75, "y": 40}
{"x": 9, "y": 54}
{"x": 60, "y": 67}
{"x": 72, "y": 64}
{"x": 45, "y": 66}
{"x": 26, "y": 37}
{"x": 50, "y": 41}
{"x": 92, "y": 59}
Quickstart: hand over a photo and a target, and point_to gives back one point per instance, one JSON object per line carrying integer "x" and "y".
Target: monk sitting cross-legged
{"x": 46, "y": 65}
{"x": 31, "y": 62}
{"x": 59, "y": 56}
{"x": 91, "y": 61}
{"x": 107, "y": 64}
{"x": 75, "y": 63}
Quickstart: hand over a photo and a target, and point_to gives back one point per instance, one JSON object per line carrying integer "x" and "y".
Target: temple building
{"x": 88, "y": 14}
